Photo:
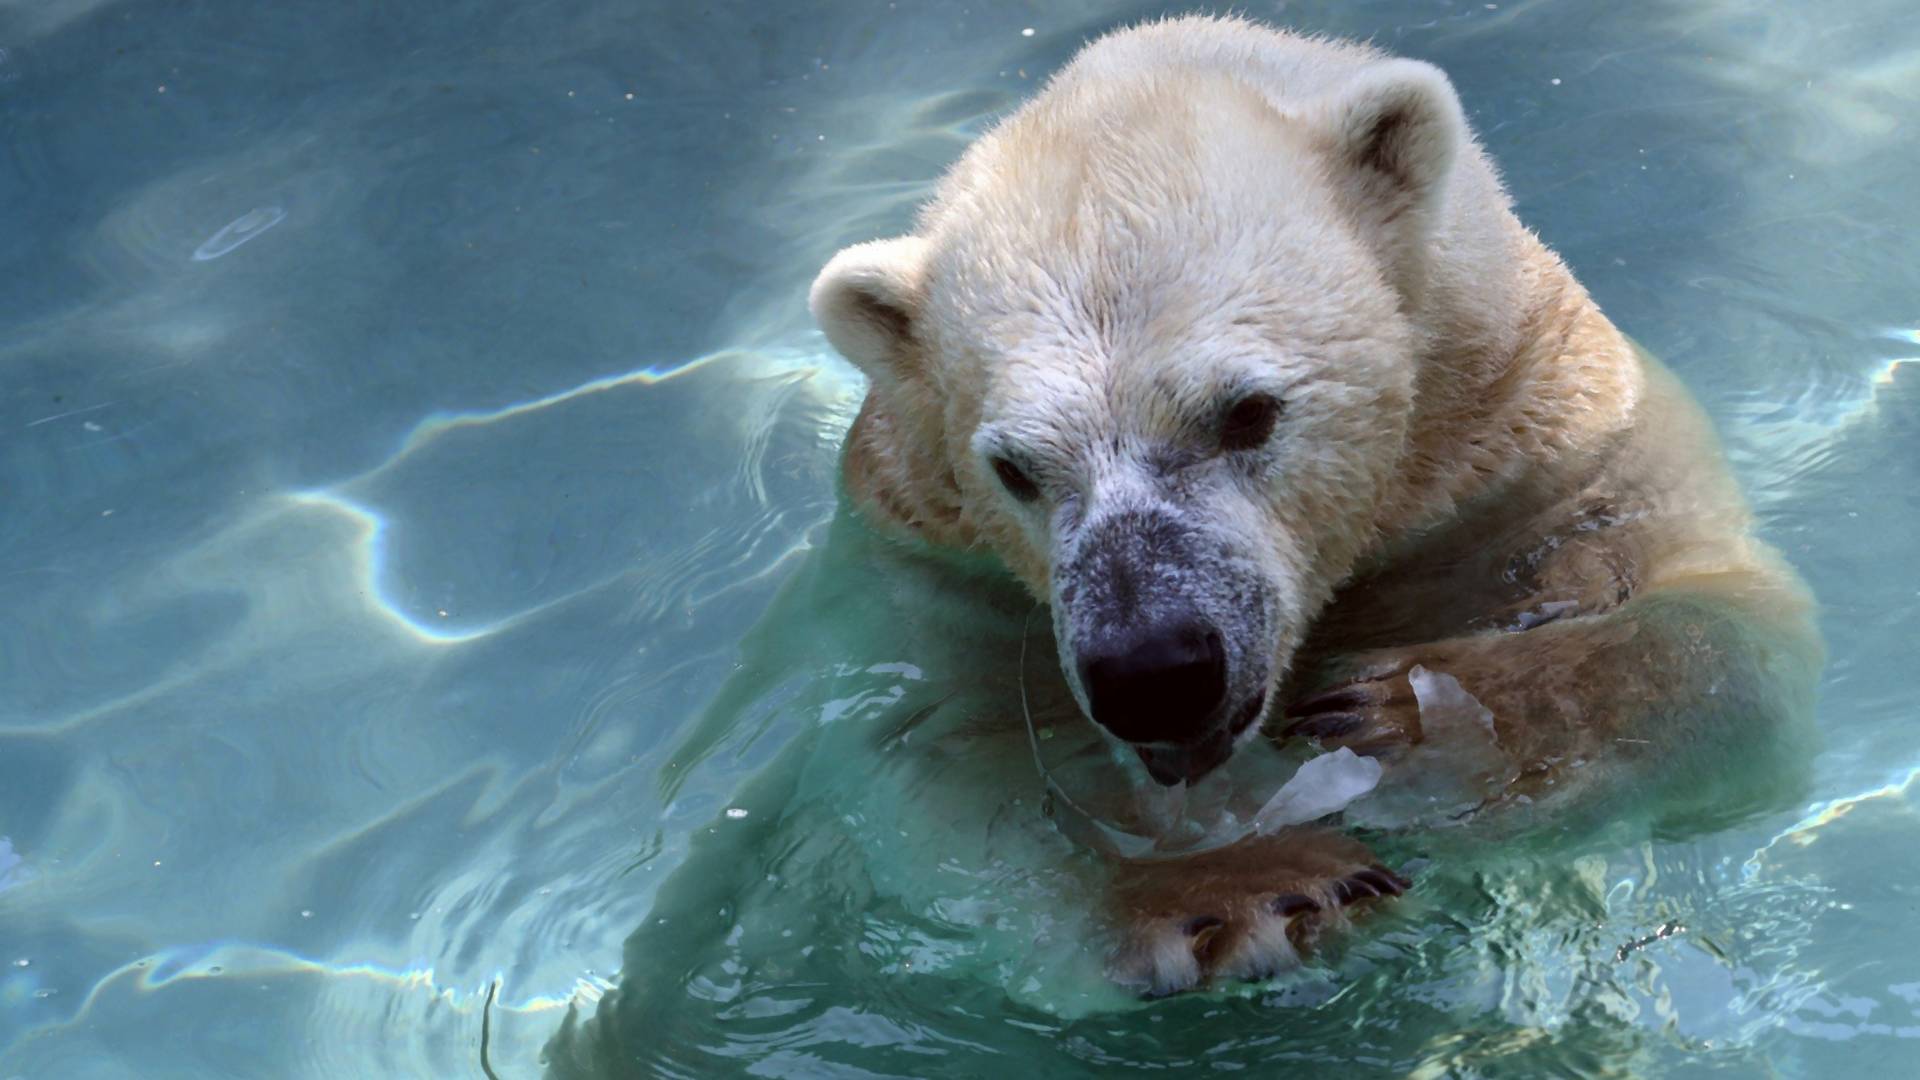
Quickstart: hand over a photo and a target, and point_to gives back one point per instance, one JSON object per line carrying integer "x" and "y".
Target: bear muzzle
{"x": 1162, "y": 624}
{"x": 1158, "y": 683}
{"x": 1173, "y": 763}
{"x": 1163, "y": 687}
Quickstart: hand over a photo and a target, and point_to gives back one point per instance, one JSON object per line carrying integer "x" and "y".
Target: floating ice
{"x": 239, "y": 231}
{"x": 1102, "y": 796}
{"x": 11, "y": 873}
{"x": 1450, "y": 772}
{"x": 1322, "y": 786}
{"x": 1443, "y": 701}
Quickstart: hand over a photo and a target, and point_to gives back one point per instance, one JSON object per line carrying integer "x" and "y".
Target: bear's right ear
{"x": 867, "y": 301}
{"x": 1395, "y": 131}
{"x": 1400, "y": 124}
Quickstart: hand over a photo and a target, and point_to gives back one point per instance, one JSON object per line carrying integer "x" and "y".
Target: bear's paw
{"x": 1245, "y": 912}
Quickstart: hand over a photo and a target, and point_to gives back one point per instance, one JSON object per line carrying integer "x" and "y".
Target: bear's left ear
{"x": 867, "y": 300}
{"x": 1397, "y": 124}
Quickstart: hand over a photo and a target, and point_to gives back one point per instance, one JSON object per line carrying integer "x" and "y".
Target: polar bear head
{"x": 1155, "y": 342}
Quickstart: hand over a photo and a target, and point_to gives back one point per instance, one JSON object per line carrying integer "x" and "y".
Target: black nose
{"x": 1162, "y": 684}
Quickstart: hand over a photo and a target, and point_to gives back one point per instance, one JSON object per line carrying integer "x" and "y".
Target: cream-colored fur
{"x": 1474, "y": 470}
{"x": 1480, "y": 284}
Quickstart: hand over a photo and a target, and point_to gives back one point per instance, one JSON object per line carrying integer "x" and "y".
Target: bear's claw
{"x": 1328, "y": 726}
{"x": 1375, "y": 881}
{"x": 1293, "y": 904}
{"x": 1374, "y": 714}
{"x": 1348, "y": 696}
{"x": 1264, "y": 903}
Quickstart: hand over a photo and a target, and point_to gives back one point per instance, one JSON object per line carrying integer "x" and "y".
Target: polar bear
{"x": 1229, "y": 346}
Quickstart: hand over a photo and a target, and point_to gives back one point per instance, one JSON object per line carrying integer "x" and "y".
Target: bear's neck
{"x": 1523, "y": 376}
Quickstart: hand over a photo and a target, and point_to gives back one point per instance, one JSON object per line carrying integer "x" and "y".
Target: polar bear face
{"x": 1151, "y": 343}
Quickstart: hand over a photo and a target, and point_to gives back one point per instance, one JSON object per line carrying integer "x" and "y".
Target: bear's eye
{"x": 1250, "y": 422}
{"x": 1017, "y": 483}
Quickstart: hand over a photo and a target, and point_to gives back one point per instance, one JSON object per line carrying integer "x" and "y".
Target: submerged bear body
{"x": 1229, "y": 348}
{"x": 1229, "y": 345}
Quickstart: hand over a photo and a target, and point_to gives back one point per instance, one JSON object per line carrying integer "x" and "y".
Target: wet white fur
{"x": 1191, "y": 209}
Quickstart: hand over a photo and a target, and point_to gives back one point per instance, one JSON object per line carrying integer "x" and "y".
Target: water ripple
{"x": 238, "y": 231}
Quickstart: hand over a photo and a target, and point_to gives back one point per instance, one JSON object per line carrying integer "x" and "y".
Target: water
{"x": 411, "y": 419}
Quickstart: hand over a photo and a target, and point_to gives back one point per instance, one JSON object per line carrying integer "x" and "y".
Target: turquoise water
{"x": 413, "y": 425}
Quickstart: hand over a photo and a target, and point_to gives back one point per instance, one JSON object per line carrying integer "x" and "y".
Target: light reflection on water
{"x": 412, "y": 410}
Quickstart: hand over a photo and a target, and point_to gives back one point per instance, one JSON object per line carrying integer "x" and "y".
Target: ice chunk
{"x": 1103, "y": 797}
{"x": 10, "y": 865}
{"x": 1454, "y": 768}
{"x": 1445, "y": 704}
{"x": 1322, "y": 786}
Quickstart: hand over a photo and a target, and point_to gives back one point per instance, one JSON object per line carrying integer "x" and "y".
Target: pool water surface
{"x": 421, "y": 526}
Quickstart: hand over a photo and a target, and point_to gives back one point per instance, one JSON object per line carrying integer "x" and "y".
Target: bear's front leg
{"x": 1680, "y": 689}
{"x": 1241, "y": 912}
